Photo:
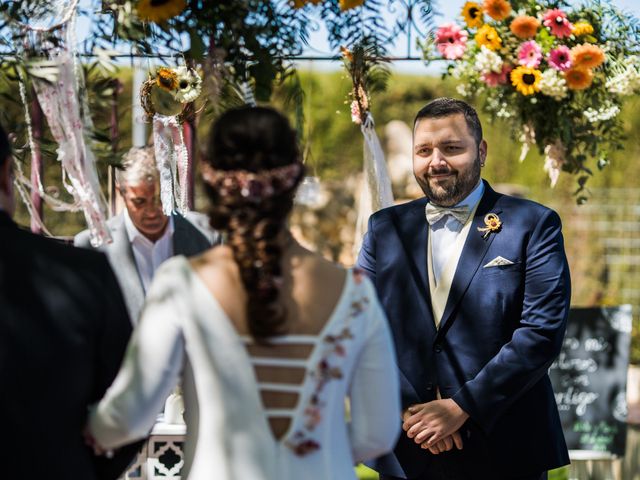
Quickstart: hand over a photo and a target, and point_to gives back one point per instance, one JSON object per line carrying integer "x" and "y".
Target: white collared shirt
{"x": 147, "y": 254}
{"x": 446, "y": 230}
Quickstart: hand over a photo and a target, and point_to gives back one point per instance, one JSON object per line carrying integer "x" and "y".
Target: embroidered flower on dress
{"x": 328, "y": 368}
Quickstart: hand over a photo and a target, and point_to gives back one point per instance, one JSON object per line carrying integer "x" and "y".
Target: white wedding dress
{"x": 184, "y": 333}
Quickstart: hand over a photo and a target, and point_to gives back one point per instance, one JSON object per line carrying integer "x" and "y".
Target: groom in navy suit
{"x": 476, "y": 288}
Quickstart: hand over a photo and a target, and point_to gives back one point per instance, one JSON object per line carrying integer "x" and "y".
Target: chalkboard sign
{"x": 590, "y": 379}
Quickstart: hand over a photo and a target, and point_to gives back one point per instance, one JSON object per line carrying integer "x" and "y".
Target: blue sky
{"x": 447, "y": 10}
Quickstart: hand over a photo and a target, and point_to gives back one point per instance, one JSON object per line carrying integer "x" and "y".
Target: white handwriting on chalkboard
{"x": 596, "y": 344}
{"x": 571, "y": 343}
{"x": 579, "y": 364}
{"x": 575, "y": 398}
{"x": 580, "y": 380}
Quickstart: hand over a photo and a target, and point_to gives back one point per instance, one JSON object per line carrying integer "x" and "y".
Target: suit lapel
{"x": 187, "y": 239}
{"x": 414, "y": 232}
{"x": 180, "y": 238}
{"x": 472, "y": 254}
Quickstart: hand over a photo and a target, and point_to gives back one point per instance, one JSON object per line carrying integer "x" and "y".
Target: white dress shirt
{"x": 149, "y": 255}
{"x": 446, "y": 230}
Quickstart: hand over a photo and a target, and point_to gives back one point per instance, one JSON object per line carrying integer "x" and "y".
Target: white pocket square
{"x": 498, "y": 262}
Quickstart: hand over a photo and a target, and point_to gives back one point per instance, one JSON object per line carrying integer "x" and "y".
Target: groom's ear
{"x": 482, "y": 152}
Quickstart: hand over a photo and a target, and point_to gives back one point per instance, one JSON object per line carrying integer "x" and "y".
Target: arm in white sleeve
{"x": 150, "y": 369}
{"x": 375, "y": 391}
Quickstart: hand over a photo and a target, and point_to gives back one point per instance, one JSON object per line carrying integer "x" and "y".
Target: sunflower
{"x": 582, "y": 28}
{"x": 587, "y": 56}
{"x": 526, "y": 80}
{"x": 302, "y": 3}
{"x": 488, "y": 36}
{"x": 472, "y": 13}
{"x": 167, "y": 79}
{"x": 159, "y": 10}
{"x": 497, "y": 9}
{"x": 524, "y": 26}
{"x": 349, "y": 4}
{"x": 578, "y": 78}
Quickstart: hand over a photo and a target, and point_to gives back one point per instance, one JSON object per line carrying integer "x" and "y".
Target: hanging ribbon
{"x": 376, "y": 190}
{"x": 172, "y": 159}
{"x": 62, "y": 108}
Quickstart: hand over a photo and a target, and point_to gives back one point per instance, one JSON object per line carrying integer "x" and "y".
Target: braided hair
{"x": 251, "y": 174}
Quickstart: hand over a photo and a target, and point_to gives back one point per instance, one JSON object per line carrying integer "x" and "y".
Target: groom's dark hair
{"x": 444, "y": 106}
{"x": 5, "y": 146}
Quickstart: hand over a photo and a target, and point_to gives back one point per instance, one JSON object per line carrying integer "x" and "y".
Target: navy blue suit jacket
{"x": 501, "y": 329}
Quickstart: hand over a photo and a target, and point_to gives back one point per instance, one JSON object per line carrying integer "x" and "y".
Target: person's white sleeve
{"x": 150, "y": 369}
{"x": 375, "y": 391}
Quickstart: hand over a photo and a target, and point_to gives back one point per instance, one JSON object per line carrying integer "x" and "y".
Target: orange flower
{"x": 497, "y": 9}
{"x": 587, "y": 56}
{"x": 524, "y": 27}
{"x": 578, "y": 78}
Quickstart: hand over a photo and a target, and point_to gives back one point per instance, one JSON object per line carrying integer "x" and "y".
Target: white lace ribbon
{"x": 172, "y": 159}
{"x": 61, "y": 106}
{"x": 376, "y": 190}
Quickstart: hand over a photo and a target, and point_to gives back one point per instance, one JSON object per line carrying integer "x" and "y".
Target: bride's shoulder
{"x": 216, "y": 256}
{"x": 216, "y": 267}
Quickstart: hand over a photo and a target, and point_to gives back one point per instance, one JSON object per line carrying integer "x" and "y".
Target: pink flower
{"x": 451, "y": 41}
{"x": 529, "y": 54}
{"x": 494, "y": 79}
{"x": 560, "y": 58}
{"x": 557, "y": 22}
{"x": 355, "y": 113}
{"x": 314, "y": 417}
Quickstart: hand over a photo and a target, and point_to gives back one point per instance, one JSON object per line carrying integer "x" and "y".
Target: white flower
{"x": 553, "y": 84}
{"x": 527, "y": 138}
{"x": 498, "y": 106}
{"x": 488, "y": 61}
{"x": 554, "y": 158}
{"x": 607, "y": 112}
{"x": 189, "y": 85}
{"x": 462, "y": 90}
{"x": 626, "y": 80}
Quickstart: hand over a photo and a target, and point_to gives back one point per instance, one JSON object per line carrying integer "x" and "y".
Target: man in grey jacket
{"x": 143, "y": 236}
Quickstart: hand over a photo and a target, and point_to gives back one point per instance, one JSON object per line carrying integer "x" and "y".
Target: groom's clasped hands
{"x": 435, "y": 425}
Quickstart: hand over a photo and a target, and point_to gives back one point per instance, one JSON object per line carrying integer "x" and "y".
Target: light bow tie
{"x": 435, "y": 213}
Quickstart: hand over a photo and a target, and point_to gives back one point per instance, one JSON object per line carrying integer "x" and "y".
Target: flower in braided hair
{"x": 253, "y": 187}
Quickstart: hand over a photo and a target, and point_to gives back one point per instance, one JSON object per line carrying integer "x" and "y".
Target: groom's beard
{"x": 454, "y": 189}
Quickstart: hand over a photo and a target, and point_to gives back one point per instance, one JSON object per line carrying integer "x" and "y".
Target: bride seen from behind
{"x": 267, "y": 337}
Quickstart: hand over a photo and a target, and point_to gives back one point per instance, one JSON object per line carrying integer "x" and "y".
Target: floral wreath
{"x": 180, "y": 85}
{"x": 253, "y": 187}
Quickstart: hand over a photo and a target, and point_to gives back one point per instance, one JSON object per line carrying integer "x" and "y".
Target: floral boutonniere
{"x": 493, "y": 224}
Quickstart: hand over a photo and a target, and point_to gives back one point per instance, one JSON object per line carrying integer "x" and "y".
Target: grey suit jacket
{"x": 191, "y": 236}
